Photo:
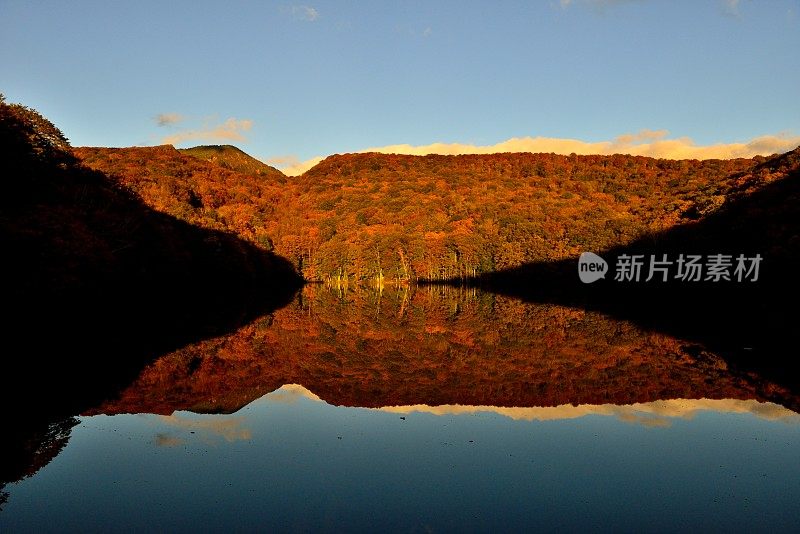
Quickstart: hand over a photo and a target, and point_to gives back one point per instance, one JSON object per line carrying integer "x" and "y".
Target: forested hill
{"x": 230, "y": 157}
{"x": 360, "y": 216}
{"x": 200, "y": 192}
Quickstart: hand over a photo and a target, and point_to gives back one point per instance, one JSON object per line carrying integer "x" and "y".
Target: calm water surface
{"x": 424, "y": 411}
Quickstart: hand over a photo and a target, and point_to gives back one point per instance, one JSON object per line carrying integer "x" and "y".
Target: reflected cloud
{"x": 652, "y": 414}
{"x": 166, "y": 440}
{"x": 657, "y": 414}
{"x": 229, "y": 428}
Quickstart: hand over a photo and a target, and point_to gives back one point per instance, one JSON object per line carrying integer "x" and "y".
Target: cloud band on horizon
{"x": 652, "y": 143}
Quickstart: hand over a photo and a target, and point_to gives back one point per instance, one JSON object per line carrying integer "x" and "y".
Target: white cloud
{"x": 598, "y": 5}
{"x": 282, "y": 161}
{"x": 230, "y": 130}
{"x": 731, "y": 7}
{"x": 653, "y": 143}
{"x": 168, "y": 119}
{"x": 291, "y": 165}
{"x": 306, "y": 13}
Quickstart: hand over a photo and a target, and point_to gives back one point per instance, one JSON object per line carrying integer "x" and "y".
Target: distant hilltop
{"x": 230, "y": 157}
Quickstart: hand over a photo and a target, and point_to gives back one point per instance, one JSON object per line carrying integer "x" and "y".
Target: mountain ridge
{"x": 370, "y": 217}
{"x": 439, "y": 158}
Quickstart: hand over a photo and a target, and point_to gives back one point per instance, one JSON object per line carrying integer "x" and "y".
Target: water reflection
{"x": 655, "y": 413}
{"x": 426, "y": 409}
{"x": 229, "y": 428}
{"x": 290, "y": 461}
{"x": 437, "y": 346}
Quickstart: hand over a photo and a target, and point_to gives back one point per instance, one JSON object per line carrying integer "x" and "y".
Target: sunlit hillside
{"x": 361, "y": 217}
{"x": 232, "y": 158}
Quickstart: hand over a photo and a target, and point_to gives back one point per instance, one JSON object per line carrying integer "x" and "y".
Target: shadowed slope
{"x": 98, "y": 283}
{"x": 753, "y": 323}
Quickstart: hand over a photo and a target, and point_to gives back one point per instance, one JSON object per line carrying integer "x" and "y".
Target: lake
{"x": 424, "y": 409}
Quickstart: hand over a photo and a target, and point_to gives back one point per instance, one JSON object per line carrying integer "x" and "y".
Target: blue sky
{"x": 288, "y": 82}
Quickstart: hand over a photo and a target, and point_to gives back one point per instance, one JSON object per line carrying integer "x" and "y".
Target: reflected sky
{"x": 291, "y": 461}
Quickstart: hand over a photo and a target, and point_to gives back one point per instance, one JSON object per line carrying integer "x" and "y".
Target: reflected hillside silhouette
{"x": 750, "y": 323}
{"x": 437, "y": 350}
{"x": 436, "y": 346}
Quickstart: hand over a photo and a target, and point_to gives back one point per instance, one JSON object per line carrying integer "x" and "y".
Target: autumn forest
{"x": 361, "y": 217}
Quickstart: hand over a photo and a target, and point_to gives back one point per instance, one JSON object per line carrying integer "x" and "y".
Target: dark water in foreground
{"x": 424, "y": 411}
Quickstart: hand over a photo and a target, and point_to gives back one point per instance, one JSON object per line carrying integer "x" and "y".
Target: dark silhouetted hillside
{"x": 97, "y": 282}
